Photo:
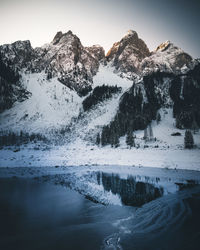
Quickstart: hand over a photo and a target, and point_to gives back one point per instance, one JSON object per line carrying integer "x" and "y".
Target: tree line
{"x": 20, "y": 138}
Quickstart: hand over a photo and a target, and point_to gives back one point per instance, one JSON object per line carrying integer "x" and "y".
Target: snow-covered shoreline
{"x": 92, "y": 155}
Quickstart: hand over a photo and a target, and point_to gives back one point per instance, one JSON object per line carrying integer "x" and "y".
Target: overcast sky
{"x": 103, "y": 21}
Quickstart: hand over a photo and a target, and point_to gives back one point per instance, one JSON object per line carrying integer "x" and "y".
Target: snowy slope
{"x": 92, "y": 121}
{"x": 107, "y": 75}
{"x": 167, "y": 151}
{"x": 51, "y": 106}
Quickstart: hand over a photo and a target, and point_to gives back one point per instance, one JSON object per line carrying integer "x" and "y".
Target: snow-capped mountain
{"x": 67, "y": 59}
{"x": 127, "y": 54}
{"x": 64, "y": 58}
{"x": 131, "y": 55}
{"x": 64, "y": 89}
{"x": 167, "y": 58}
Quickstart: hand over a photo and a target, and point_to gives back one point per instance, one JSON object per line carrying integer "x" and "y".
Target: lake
{"x": 41, "y": 215}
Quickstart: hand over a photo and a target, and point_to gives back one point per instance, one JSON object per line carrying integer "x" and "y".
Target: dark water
{"x": 45, "y": 216}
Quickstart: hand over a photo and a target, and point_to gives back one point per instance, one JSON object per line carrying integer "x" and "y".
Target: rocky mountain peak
{"x": 131, "y": 34}
{"x": 66, "y": 58}
{"x": 163, "y": 46}
{"x": 19, "y": 54}
{"x": 167, "y": 58}
{"x": 127, "y": 54}
{"x": 57, "y": 37}
{"x": 63, "y": 38}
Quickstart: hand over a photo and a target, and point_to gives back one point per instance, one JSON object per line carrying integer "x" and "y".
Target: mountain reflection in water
{"x": 131, "y": 191}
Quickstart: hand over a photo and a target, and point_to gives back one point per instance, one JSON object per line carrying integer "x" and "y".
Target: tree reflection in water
{"x": 132, "y": 192}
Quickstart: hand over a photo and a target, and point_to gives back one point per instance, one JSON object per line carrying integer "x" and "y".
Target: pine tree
{"x": 188, "y": 139}
{"x": 145, "y": 135}
{"x": 158, "y": 118}
{"x": 130, "y": 139}
{"x": 105, "y": 135}
{"x": 98, "y": 139}
{"x": 116, "y": 141}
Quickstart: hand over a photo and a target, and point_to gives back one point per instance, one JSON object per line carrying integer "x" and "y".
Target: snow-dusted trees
{"x": 110, "y": 135}
{"x": 158, "y": 118}
{"x": 105, "y": 135}
{"x": 20, "y": 138}
{"x": 98, "y": 95}
{"x": 98, "y": 139}
{"x": 115, "y": 140}
{"x": 188, "y": 139}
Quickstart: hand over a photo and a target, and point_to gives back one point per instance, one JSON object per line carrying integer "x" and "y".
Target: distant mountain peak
{"x": 59, "y": 37}
{"x": 130, "y": 33}
{"x": 164, "y": 46}
{"x": 127, "y": 54}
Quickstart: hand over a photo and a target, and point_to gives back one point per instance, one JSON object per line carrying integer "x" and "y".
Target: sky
{"x": 103, "y": 21}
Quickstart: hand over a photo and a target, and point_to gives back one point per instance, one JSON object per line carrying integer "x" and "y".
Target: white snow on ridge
{"x": 106, "y": 76}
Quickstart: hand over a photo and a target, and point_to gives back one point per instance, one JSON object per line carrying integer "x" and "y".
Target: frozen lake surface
{"x": 91, "y": 208}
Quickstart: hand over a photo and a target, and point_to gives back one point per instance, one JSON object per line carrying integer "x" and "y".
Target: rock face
{"x": 131, "y": 55}
{"x": 11, "y": 89}
{"x": 67, "y": 59}
{"x": 64, "y": 58}
{"x": 166, "y": 58}
{"x": 97, "y": 52}
{"x": 128, "y": 53}
{"x": 18, "y": 55}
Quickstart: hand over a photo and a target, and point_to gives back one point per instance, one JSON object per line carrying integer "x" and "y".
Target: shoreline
{"x": 94, "y": 156}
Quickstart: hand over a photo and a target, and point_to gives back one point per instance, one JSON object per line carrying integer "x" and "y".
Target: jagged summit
{"x": 163, "y": 46}
{"x": 167, "y": 58}
{"x": 66, "y": 59}
{"x": 18, "y": 54}
{"x": 57, "y": 37}
{"x": 130, "y": 34}
{"x": 127, "y": 54}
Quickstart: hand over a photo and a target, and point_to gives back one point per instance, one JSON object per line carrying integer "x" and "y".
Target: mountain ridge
{"x": 66, "y": 72}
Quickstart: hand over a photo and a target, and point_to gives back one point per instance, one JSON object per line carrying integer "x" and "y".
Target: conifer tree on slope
{"x": 188, "y": 139}
{"x": 130, "y": 139}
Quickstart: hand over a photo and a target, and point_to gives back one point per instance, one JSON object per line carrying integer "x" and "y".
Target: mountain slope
{"x": 66, "y": 58}
{"x": 50, "y": 107}
{"x": 43, "y": 90}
